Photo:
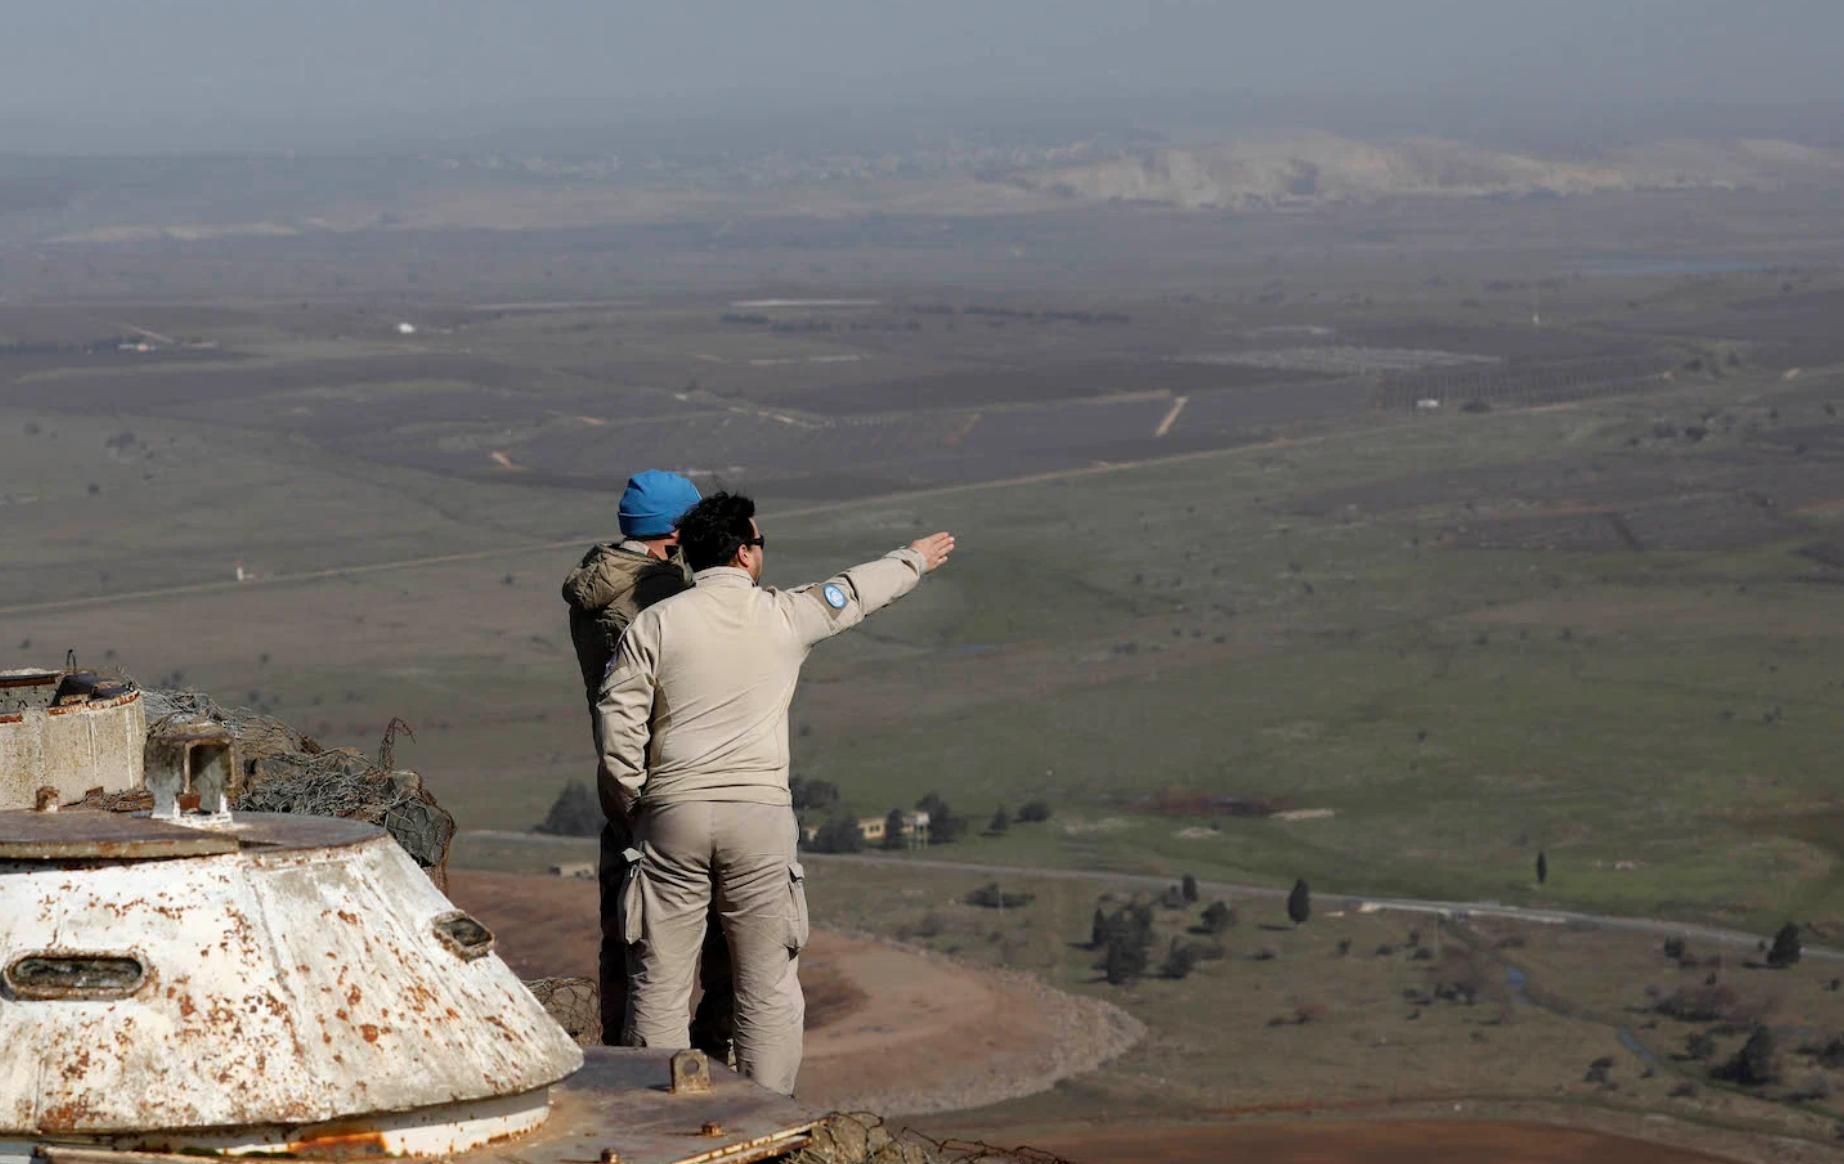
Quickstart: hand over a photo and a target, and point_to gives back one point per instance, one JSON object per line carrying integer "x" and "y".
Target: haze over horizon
{"x": 87, "y": 76}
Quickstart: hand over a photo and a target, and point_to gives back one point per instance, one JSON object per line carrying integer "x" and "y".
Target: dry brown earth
{"x": 1297, "y": 1142}
{"x": 889, "y": 1029}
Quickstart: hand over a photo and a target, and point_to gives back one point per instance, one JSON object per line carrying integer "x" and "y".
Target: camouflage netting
{"x": 285, "y": 771}
{"x": 863, "y": 1138}
{"x": 575, "y": 1003}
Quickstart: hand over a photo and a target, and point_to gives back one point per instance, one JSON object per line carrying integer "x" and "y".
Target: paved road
{"x": 1457, "y": 909}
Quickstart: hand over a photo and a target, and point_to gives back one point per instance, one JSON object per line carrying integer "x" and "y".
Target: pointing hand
{"x": 934, "y": 549}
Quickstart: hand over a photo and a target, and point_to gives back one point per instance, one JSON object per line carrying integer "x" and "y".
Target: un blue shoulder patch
{"x": 835, "y": 596}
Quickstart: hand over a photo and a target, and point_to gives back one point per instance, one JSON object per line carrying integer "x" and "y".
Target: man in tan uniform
{"x": 694, "y": 730}
{"x": 613, "y": 583}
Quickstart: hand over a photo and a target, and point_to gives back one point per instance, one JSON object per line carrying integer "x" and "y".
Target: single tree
{"x": 1542, "y": 867}
{"x": 1001, "y": 820}
{"x": 1755, "y": 1064}
{"x": 1034, "y": 812}
{"x": 1124, "y": 961}
{"x": 1189, "y": 888}
{"x": 893, "y": 829}
{"x": 816, "y": 797}
{"x": 1785, "y": 950}
{"x": 1300, "y": 903}
{"x": 1218, "y": 917}
{"x": 944, "y": 828}
{"x": 1098, "y": 930}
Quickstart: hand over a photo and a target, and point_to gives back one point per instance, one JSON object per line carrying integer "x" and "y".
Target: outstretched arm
{"x": 624, "y": 715}
{"x": 842, "y": 601}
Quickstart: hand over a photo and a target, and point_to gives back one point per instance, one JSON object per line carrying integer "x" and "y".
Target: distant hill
{"x": 1310, "y": 168}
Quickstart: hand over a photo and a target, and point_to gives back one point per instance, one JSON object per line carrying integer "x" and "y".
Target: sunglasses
{"x": 760, "y": 540}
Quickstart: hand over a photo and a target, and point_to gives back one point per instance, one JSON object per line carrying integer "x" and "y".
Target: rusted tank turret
{"x": 267, "y": 983}
{"x": 191, "y": 980}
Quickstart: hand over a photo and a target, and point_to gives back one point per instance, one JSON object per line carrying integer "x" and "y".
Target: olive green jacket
{"x": 613, "y": 583}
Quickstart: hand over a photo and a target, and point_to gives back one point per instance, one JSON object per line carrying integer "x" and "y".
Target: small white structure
{"x": 406, "y": 328}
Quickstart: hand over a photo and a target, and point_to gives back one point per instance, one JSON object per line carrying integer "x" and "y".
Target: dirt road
{"x": 889, "y": 1029}
{"x": 1460, "y": 909}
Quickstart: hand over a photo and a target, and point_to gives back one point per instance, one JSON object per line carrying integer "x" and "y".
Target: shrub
{"x": 1180, "y": 959}
{"x": 1188, "y": 887}
{"x": 1034, "y": 812}
{"x": 812, "y": 796}
{"x": 1218, "y": 917}
{"x": 990, "y": 896}
{"x": 838, "y": 835}
{"x": 1125, "y": 958}
{"x": 1755, "y": 1064}
{"x": 1832, "y": 1053}
{"x": 1708, "y": 1003}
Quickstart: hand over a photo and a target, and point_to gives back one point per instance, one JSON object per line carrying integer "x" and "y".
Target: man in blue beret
{"x": 614, "y": 582}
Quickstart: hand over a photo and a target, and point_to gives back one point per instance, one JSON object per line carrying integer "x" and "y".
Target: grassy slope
{"x": 1640, "y": 743}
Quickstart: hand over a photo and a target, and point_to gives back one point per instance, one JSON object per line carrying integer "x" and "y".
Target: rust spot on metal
{"x": 341, "y": 1144}
{"x": 67, "y": 1116}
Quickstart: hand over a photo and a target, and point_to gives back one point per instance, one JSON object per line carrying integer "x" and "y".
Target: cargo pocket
{"x": 633, "y": 907}
{"x": 797, "y": 907}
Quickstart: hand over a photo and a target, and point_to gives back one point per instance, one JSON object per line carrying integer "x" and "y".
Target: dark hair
{"x": 713, "y": 530}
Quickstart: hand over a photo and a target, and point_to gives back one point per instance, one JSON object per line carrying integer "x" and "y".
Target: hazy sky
{"x": 183, "y": 72}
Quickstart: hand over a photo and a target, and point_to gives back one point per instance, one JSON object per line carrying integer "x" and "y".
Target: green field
{"x": 1662, "y": 723}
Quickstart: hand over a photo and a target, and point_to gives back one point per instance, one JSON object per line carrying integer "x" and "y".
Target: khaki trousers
{"x": 741, "y": 858}
{"x": 711, "y": 1022}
